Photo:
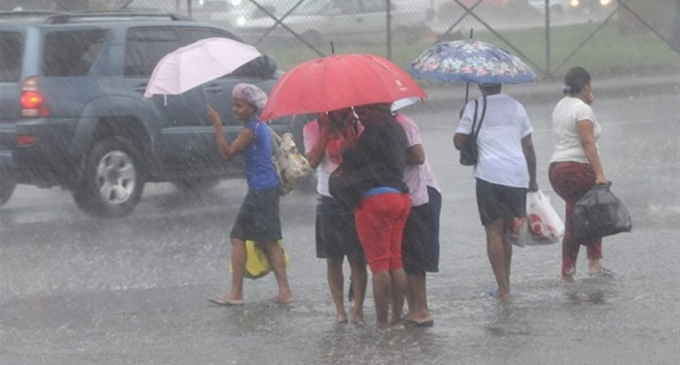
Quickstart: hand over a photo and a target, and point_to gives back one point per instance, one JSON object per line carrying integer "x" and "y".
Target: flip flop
{"x": 413, "y": 324}
{"x": 493, "y": 294}
{"x": 224, "y": 302}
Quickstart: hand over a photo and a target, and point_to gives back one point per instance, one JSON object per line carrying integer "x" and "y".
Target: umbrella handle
{"x": 207, "y": 101}
{"x": 467, "y": 94}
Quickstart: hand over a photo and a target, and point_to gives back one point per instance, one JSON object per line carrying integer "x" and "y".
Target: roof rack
{"x": 26, "y": 13}
{"x": 63, "y": 18}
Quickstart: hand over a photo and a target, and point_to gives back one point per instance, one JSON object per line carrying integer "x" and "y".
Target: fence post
{"x": 389, "y": 28}
{"x": 189, "y": 8}
{"x": 548, "y": 73}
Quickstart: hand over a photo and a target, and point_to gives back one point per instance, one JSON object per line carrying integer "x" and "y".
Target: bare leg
{"x": 410, "y": 297}
{"x": 382, "y": 289}
{"x": 417, "y": 284}
{"x": 398, "y": 283}
{"x": 497, "y": 257}
{"x": 335, "y": 284}
{"x": 359, "y": 283}
{"x": 595, "y": 266}
{"x": 507, "y": 249}
{"x": 276, "y": 260}
{"x": 238, "y": 264}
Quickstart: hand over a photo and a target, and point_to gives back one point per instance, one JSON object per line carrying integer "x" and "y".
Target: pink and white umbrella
{"x": 198, "y": 63}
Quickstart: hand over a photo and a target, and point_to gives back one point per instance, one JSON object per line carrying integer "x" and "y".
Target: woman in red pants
{"x": 575, "y": 165}
{"x": 381, "y": 212}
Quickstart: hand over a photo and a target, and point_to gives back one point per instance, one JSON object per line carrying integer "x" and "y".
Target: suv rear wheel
{"x": 7, "y": 185}
{"x": 112, "y": 181}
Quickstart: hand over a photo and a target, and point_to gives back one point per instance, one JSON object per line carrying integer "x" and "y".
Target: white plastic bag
{"x": 544, "y": 222}
{"x": 541, "y": 226}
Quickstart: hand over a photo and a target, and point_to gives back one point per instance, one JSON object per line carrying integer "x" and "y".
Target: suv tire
{"x": 7, "y": 185}
{"x": 112, "y": 181}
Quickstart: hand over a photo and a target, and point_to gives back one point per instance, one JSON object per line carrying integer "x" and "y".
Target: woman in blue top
{"x": 258, "y": 220}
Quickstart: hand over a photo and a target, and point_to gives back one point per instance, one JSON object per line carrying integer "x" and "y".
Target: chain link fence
{"x": 617, "y": 38}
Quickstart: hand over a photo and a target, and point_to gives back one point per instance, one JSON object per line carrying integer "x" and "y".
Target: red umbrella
{"x": 337, "y": 82}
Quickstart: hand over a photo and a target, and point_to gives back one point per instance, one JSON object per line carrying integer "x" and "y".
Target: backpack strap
{"x": 276, "y": 139}
{"x": 474, "y": 121}
{"x": 475, "y": 133}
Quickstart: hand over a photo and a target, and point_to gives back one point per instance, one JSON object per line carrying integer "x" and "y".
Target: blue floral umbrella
{"x": 471, "y": 61}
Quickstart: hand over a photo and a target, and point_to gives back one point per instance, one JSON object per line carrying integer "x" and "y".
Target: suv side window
{"x": 145, "y": 47}
{"x": 12, "y": 46}
{"x": 191, "y": 35}
{"x": 72, "y": 52}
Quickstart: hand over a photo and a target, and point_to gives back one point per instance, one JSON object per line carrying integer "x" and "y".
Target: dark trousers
{"x": 571, "y": 180}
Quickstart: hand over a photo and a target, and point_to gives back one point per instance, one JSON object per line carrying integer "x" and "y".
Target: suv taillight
{"x": 32, "y": 101}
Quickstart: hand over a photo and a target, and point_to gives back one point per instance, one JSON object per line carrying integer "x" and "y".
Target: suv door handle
{"x": 140, "y": 88}
{"x": 213, "y": 88}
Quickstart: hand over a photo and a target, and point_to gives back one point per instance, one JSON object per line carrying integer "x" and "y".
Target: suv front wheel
{"x": 112, "y": 182}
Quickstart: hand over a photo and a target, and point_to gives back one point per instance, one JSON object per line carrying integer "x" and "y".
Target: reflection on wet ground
{"x": 80, "y": 290}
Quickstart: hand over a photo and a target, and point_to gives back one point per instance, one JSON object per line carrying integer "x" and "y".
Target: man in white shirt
{"x": 505, "y": 170}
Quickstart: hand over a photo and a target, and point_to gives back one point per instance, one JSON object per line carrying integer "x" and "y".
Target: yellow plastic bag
{"x": 257, "y": 264}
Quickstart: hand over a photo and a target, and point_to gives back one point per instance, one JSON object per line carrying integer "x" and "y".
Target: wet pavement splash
{"x": 80, "y": 290}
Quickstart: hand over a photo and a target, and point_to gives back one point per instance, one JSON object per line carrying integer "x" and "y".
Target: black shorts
{"x": 336, "y": 234}
{"x": 496, "y": 201}
{"x": 420, "y": 245}
{"x": 259, "y": 219}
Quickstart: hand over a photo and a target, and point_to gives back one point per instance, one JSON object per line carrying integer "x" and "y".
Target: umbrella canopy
{"x": 403, "y": 103}
{"x": 198, "y": 63}
{"x": 471, "y": 61}
{"x": 337, "y": 82}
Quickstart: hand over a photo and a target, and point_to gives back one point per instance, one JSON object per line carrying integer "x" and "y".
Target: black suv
{"x": 72, "y": 111}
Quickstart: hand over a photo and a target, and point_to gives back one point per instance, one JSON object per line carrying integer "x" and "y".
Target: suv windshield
{"x": 72, "y": 53}
{"x": 12, "y": 46}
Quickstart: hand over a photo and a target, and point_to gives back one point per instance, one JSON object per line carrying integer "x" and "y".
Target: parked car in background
{"x": 72, "y": 111}
{"x": 341, "y": 21}
{"x": 556, "y": 7}
{"x": 562, "y": 7}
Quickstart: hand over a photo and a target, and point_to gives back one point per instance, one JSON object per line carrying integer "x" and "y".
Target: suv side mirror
{"x": 268, "y": 66}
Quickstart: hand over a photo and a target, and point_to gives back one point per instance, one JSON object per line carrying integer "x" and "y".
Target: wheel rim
{"x": 116, "y": 177}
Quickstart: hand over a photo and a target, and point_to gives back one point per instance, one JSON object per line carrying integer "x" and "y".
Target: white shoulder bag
{"x": 291, "y": 166}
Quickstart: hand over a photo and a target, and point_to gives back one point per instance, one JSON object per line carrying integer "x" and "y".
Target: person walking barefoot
{"x": 258, "y": 219}
{"x": 575, "y": 166}
{"x": 505, "y": 170}
{"x": 384, "y": 205}
{"x": 336, "y": 237}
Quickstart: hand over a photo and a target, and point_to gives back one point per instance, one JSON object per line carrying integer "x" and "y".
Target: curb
{"x": 441, "y": 94}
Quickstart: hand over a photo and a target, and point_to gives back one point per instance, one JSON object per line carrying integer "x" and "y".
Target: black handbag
{"x": 469, "y": 152}
{"x": 347, "y": 186}
{"x": 599, "y": 213}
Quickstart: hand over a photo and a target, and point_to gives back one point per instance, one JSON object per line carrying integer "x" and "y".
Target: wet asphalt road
{"x": 80, "y": 290}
